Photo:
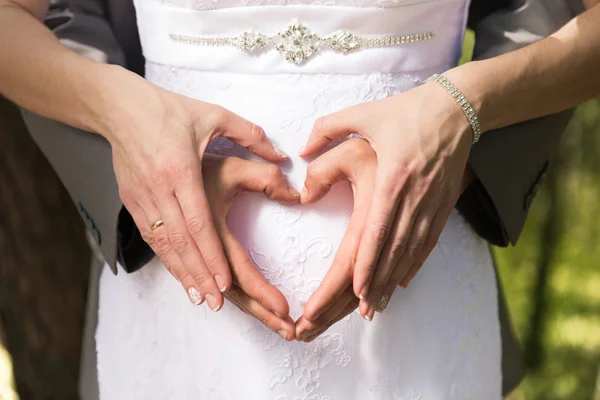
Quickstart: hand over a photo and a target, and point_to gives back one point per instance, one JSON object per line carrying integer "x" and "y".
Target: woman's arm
{"x": 549, "y": 76}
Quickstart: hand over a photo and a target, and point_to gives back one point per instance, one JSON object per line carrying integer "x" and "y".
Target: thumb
{"x": 249, "y": 279}
{"x": 331, "y": 127}
{"x": 256, "y": 176}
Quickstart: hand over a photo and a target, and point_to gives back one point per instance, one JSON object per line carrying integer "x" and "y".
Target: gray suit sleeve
{"x": 83, "y": 161}
{"x": 510, "y": 162}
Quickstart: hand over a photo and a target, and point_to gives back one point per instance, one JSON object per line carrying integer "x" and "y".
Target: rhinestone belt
{"x": 297, "y": 43}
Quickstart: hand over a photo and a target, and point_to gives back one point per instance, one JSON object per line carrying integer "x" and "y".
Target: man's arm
{"x": 508, "y": 164}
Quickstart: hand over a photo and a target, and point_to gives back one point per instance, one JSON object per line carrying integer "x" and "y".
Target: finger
{"x": 190, "y": 194}
{"x": 382, "y": 213}
{"x": 306, "y": 328}
{"x": 407, "y": 241}
{"x": 331, "y": 127}
{"x": 322, "y": 173}
{"x": 437, "y": 226}
{"x": 283, "y": 328}
{"x": 350, "y": 307}
{"x": 170, "y": 259}
{"x": 339, "y": 276}
{"x": 390, "y": 255}
{"x": 249, "y": 279}
{"x": 181, "y": 242}
{"x": 247, "y": 134}
{"x": 268, "y": 178}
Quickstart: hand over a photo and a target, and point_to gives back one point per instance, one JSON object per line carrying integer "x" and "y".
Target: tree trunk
{"x": 44, "y": 268}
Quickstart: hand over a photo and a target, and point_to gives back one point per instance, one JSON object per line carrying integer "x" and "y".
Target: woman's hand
{"x": 158, "y": 141}
{"x": 355, "y": 161}
{"x": 334, "y": 299}
{"x": 224, "y": 177}
{"x": 422, "y": 140}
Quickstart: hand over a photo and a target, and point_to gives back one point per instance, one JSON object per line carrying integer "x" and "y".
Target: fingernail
{"x": 304, "y": 194}
{"x": 371, "y": 312}
{"x": 368, "y": 317}
{"x": 212, "y": 302}
{"x": 220, "y": 283}
{"x": 382, "y": 303}
{"x": 361, "y": 297}
{"x": 301, "y": 150}
{"x": 294, "y": 192}
{"x": 279, "y": 152}
{"x": 282, "y": 333}
{"x": 195, "y": 296}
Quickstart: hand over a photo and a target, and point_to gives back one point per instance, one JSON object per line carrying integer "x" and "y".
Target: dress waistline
{"x": 402, "y": 39}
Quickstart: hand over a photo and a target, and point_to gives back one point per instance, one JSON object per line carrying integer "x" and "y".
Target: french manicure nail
{"x": 195, "y": 296}
{"x": 212, "y": 302}
{"x": 304, "y": 193}
{"x": 361, "y": 297}
{"x": 220, "y": 283}
{"x": 282, "y": 333}
{"x": 279, "y": 152}
{"x": 368, "y": 317}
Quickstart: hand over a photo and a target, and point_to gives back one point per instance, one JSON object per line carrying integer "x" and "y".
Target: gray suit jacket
{"x": 509, "y": 163}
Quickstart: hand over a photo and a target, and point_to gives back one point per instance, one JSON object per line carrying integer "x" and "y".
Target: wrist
{"x": 469, "y": 82}
{"x": 102, "y": 98}
{"x": 451, "y": 111}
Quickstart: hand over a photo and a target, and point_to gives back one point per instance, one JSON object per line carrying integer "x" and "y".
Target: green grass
{"x": 568, "y": 361}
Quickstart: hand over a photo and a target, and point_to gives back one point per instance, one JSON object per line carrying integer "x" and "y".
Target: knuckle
{"x": 211, "y": 261}
{"x": 181, "y": 274}
{"x": 314, "y": 170}
{"x": 179, "y": 242}
{"x": 398, "y": 249}
{"x": 163, "y": 245}
{"x": 197, "y": 226}
{"x": 217, "y": 117}
{"x": 260, "y": 293}
{"x": 199, "y": 276}
{"x": 380, "y": 232}
{"x": 147, "y": 236}
{"x": 273, "y": 172}
{"x": 257, "y": 134}
{"x": 319, "y": 123}
{"x": 415, "y": 248}
{"x": 360, "y": 148}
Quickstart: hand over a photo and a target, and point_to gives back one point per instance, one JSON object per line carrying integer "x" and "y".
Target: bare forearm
{"x": 41, "y": 75}
{"x": 549, "y": 76}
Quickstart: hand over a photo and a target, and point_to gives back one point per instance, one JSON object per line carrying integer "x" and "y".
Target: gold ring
{"x": 157, "y": 224}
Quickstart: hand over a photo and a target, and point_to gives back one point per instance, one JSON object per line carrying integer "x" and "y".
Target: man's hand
{"x": 224, "y": 177}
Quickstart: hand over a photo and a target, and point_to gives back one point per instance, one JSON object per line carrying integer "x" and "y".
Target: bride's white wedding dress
{"x": 437, "y": 340}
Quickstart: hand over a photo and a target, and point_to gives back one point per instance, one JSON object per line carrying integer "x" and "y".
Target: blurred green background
{"x": 551, "y": 279}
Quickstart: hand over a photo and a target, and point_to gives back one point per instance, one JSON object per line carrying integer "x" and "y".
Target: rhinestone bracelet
{"x": 462, "y": 102}
{"x": 297, "y": 43}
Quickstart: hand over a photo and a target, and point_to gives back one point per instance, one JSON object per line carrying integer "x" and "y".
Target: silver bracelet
{"x": 462, "y": 102}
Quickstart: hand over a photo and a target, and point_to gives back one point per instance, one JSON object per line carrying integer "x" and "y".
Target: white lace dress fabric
{"x": 437, "y": 340}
